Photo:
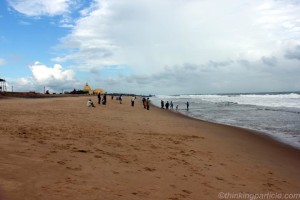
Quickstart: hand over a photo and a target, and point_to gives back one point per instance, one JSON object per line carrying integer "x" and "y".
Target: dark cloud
{"x": 244, "y": 62}
{"x": 171, "y": 80}
{"x": 96, "y": 52}
{"x": 271, "y": 61}
{"x": 293, "y": 53}
{"x": 190, "y": 78}
{"x": 94, "y": 70}
{"x": 190, "y": 67}
{"x": 219, "y": 64}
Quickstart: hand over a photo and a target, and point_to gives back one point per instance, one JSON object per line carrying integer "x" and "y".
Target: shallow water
{"x": 276, "y": 115}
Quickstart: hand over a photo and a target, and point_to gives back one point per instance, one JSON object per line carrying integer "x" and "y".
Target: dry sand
{"x": 57, "y": 148}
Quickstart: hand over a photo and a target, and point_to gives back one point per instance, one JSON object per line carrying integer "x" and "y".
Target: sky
{"x": 151, "y": 46}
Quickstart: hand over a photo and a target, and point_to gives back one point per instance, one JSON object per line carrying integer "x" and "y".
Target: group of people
{"x": 170, "y": 105}
{"x": 103, "y": 100}
{"x": 90, "y": 103}
{"x": 167, "y": 105}
{"x": 146, "y": 102}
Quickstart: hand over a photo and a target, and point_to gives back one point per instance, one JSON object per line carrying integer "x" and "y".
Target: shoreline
{"x": 58, "y": 148}
{"x": 255, "y": 132}
{"x": 259, "y": 134}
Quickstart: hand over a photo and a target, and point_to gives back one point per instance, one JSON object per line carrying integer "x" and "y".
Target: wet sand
{"x": 57, "y": 148}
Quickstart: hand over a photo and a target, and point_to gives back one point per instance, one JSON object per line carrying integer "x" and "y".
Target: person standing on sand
{"x": 104, "y": 99}
{"x": 144, "y": 103}
{"x": 162, "y": 104}
{"x": 132, "y": 101}
{"x": 99, "y": 98}
{"x": 120, "y": 99}
{"x": 171, "y": 105}
{"x": 187, "y": 105}
{"x": 167, "y": 105}
{"x": 148, "y": 103}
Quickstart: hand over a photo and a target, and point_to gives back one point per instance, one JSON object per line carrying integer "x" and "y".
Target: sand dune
{"x": 60, "y": 149}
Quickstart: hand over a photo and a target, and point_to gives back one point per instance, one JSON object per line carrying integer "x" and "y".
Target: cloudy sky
{"x": 151, "y": 46}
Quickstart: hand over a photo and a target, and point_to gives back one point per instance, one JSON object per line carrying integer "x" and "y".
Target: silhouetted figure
{"x": 104, "y": 99}
{"x": 145, "y": 103}
{"x": 162, "y": 103}
{"x": 120, "y": 99}
{"x": 187, "y": 105}
{"x": 167, "y": 105}
{"x": 132, "y": 101}
{"x": 171, "y": 105}
{"x": 99, "y": 98}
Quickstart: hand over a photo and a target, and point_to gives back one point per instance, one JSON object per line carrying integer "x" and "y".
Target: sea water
{"x": 274, "y": 114}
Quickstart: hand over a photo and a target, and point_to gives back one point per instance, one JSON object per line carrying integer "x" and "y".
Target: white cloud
{"x": 40, "y": 7}
{"x": 53, "y": 78}
{"x": 153, "y": 34}
{"x": 47, "y": 75}
{"x": 216, "y": 37}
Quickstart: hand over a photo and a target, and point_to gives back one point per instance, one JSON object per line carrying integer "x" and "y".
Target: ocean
{"x": 273, "y": 114}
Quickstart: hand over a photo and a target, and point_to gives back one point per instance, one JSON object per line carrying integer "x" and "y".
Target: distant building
{"x": 87, "y": 88}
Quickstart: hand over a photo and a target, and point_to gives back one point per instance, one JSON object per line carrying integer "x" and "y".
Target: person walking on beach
{"x": 176, "y": 107}
{"x": 171, "y": 105}
{"x": 132, "y": 101}
{"x": 90, "y": 103}
{"x": 99, "y": 98}
{"x": 187, "y": 105}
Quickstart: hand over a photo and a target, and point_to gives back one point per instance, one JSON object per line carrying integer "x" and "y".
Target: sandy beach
{"x": 57, "y": 148}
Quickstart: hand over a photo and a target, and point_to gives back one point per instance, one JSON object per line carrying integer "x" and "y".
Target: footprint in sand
{"x": 79, "y": 168}
{"x": 187, "y": 191}
{"x": 149, "y": 169}
{"x": 219, "y": 178}
{"x": 61, "y": 162}
{"x": 141, "y": 193}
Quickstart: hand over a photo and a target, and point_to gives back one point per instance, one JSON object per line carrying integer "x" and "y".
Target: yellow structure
{"x": 88, "y": 89}
{"x": 99, "y": 90}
